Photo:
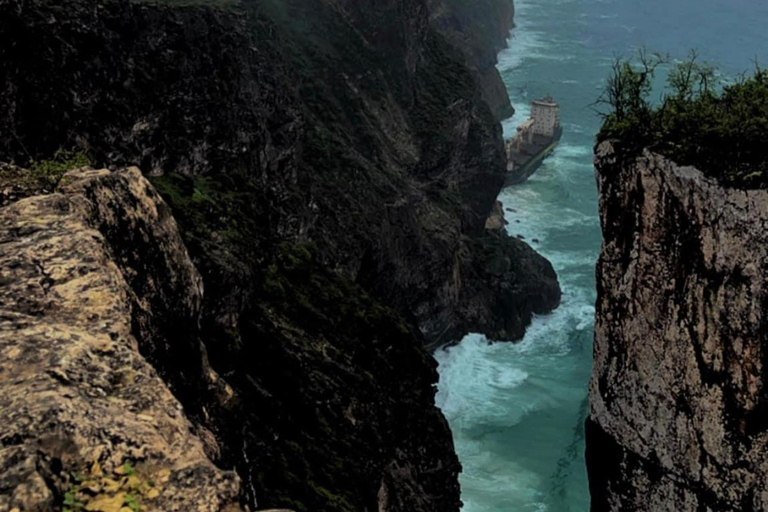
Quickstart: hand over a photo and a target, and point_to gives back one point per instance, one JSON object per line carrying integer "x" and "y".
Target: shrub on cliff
{"x": 719, "y": 128}
{"x": 49, "y": 172}
{"x": 42, "y": 176}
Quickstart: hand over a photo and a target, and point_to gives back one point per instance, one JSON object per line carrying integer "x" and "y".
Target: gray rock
{"x": 677, "y": 418}
{"x": 496, "y": 221}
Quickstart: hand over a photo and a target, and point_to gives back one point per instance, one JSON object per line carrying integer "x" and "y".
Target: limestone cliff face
{"x": 81, "y": 310}
{"x": 331, "y": 166}
{"x": 104, "y": 363}
{"x": 678, "y": 396}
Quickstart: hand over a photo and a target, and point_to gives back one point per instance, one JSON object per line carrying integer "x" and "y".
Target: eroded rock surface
{"x": 678, "y": 396}
{"x": 331, "y": 166}
{"x": 74, "y": 386}
{"x": 365, "y": 129}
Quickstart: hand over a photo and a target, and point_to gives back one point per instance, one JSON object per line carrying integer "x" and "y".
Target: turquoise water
{"x": 517, "y": 410}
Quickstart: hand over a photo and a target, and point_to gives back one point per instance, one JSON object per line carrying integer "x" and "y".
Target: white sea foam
{"x": 524, "y": 41}
{"x": 512, "y": 405}
{"x": 517, "y": 410}
{"x": 566, "y": 150}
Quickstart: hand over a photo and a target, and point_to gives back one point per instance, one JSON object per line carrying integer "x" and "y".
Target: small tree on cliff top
{"x": 721, "y": 129}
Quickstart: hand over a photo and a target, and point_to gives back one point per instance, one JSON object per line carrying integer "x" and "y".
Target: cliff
{"x": 357, "y": 129}
{"x": 104, "y": 365}
{"x": 78, "y": 311}
{"x": 678, "y": 394}
{"x": 480, "y": 29}
{"x": 331, "y": 166}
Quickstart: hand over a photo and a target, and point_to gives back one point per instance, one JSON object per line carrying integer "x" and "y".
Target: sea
{"x": 517, "y": 410}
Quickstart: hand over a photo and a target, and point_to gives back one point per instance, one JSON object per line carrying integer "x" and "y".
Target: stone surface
{"x": 74, "y": 385}
{"x": 496, "y": 221}
{"x": 331, "y": 166}
{"x": 359, "y": 128}
{"x": 480, "y": 29}
{"x": 678, "y": 396}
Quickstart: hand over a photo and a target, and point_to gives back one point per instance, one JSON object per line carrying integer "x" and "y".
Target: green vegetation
{"x": 218, "y": 217}
{"x": 719, "y": 128}
{"x": 43, "y": 175}
{"x": 121, "y": 491}
{"x": 49, "y": 172}
{"x": 296, "y": 284}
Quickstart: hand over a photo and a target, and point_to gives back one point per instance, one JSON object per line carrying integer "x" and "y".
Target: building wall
{"x": 546, "y": 118}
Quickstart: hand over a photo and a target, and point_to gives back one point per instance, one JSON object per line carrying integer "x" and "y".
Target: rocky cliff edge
{"x": 331, "y": 166}
{"x": 678, "y": 396}
{"x": 87, "y": 421}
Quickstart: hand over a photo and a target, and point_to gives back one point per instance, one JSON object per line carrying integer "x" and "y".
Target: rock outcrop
{"x": 360, "y": 129}
{"x": 480, "y": 29}
{"x": 678, "y": 394}
{"x": 331, "y": 166}
{"x": 80, "y": 302}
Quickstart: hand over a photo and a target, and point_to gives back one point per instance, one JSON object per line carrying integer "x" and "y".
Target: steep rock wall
{"x": 77, "y": 311}
{"x": 357, "y": 128}
{"x": 328, "y": 409}
{"x": 331, "y": 166}
{"x": 678, "y": 395}
{"x": 480, "y": 30}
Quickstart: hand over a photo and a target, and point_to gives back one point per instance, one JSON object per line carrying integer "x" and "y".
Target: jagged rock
{"x": 387, "y": 165}
{"x": 512, "y": 282}
{"x": 678, "y": 394}
{"x": 480, "y": 30}
{"x": 331, "y": 172}
{"x": 74, "y": 387}
{"x": 496, "y": 220}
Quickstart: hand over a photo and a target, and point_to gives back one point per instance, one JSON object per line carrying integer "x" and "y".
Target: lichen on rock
{"x": 74, "y": 388}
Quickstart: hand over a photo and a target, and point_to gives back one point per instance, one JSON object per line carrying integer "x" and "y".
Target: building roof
{"x": 546, "y": 102}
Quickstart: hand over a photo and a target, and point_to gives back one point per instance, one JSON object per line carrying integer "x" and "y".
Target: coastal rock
{"x": 502, "y": 296}
{"x": 388, "y": 173}
{"x": 678, "y": 397}
{"x": 76, "y": 390}
{"x": 331, "y": 166}
{"x": 496, "y": 221}
{"x": 480, "y": 30}
{"x": 116, "y": 326}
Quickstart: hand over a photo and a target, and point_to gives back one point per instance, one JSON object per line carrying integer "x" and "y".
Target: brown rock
{"x": 678, "y": 395}
{"x": 67, "y": 348}
{"x": 495, "y": 221}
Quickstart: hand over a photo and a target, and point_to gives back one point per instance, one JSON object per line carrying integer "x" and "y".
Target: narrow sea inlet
{"x": 517, "y": 410}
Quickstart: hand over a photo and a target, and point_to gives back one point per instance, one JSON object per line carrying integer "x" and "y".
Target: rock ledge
{"x": 74, "y": 388}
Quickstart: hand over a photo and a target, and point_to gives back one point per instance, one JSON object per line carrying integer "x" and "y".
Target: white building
{"x": 546, "y": 116}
